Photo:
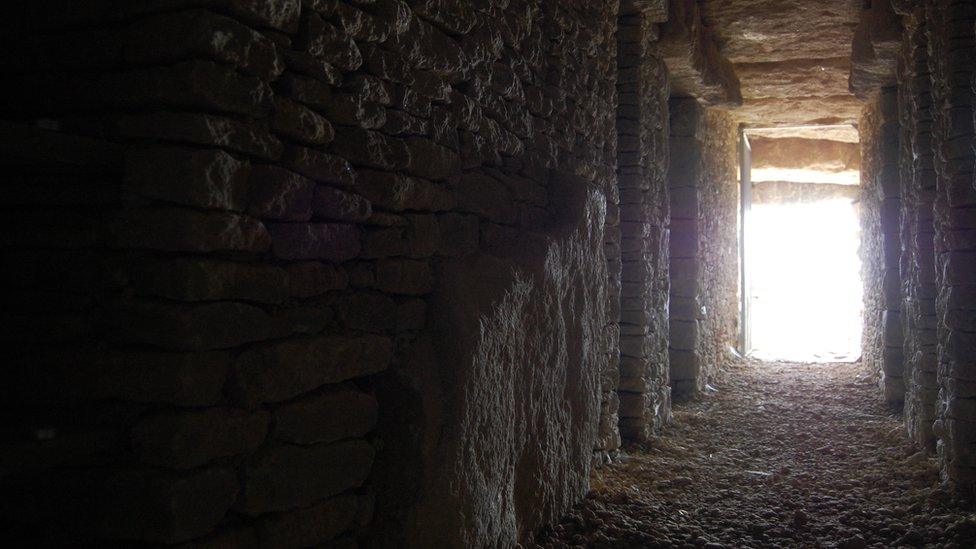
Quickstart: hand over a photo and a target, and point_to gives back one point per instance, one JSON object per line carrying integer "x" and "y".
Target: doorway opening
{"x": 801, "y": 288}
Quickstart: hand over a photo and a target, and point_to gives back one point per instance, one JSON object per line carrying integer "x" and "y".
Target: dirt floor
{"x": 780, "y": 455}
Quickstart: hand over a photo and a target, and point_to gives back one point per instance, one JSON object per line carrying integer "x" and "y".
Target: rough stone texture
{"x": 917, "y": 233}
{"x": 641, "y": 252}
{"x": 696, "y": 67}
{"x": 792, "y": 58}
{"x": 704, "y": 191}
{"x": 791, "y": 192}
{"x": 880, "y": 207}
{"x": 876, "y": 48}
{"x": 821, "y": 155}
{"x": 951, "y": 57}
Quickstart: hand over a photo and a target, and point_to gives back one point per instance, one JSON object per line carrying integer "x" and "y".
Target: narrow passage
{"x": 781, "y": 455}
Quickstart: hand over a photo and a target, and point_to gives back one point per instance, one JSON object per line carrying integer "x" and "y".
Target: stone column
{"x": 917, "y": 233}
{"x": 880, "y": 244}
{"x": 642, "y": 159}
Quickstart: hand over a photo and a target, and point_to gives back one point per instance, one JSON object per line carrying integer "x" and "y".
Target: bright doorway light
{"x": 806, "y": 285}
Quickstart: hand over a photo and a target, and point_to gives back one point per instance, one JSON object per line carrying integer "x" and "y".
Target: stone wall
{"x": 306, "y": 257}
{"x": 642, "y": 126}
{"x": 952, "y": 66}
{"x": 703, "y": 186}
{"x": 880, "y": 207}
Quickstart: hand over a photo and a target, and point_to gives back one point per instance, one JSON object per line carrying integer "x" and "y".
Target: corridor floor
{"x": 781, "y": 455}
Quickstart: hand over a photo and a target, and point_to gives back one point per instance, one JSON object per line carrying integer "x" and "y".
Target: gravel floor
{"x": 780, "y": 455}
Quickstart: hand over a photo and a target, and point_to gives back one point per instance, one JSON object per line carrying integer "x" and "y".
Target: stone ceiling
{"x": 792, "y": 58}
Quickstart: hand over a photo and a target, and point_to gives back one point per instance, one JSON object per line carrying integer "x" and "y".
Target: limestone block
{"x": 695, "y": 65}
{"x": 209, "y": 179}
{"x": 279, "y": 194}
{"x": 396, "y": 192}
{"x": 189, "y": 438}
{"x": 202, "y": 129}
{"x": 318, "y": 166}
{"x": 174, "y": 229}
{"x": 288, "y": 368}
{"x": 299, "y": 123}
{"x": 189, "y": 279}
{"x": 163, "y": 507}
{"x": 310, "y": 278}
{"x": 332, "y": 242}
{"x": 215, "y": 325}
{"x": 192, "y": 84}
{"x": 314, "y": 525}
{"x": 404, "y": 276}
{"x": 336, "y": 205}
{"x": 325, "y": 41}
{"x": 304, "y": 89}
{"x": 201, "y": 34}
{"x": 282, "y": 477}
{"x": 326, "y": 417}
{"x": 371, "y": 149}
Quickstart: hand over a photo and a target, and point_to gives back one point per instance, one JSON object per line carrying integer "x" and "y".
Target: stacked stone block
{"x": 917, "y": 233}
{"x": 266, "y": 269}
{"x": 642, "y": 159}
{"x": 703, "y": 248}
{"x": 952, "y": 64}
{"x": 880, "y": 202}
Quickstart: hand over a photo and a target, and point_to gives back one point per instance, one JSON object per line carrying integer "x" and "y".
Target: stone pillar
{"x": 917, "y": 233}
{"x": 704, "y": 198}
{"x": 642, "y": 160}
{"x": 880, "y": 244}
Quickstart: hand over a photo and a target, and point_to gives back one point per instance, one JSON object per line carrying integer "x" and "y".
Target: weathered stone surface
{"x": 205, "y": 280}
{"x": 284, "y": 370}
{"x": 880, "y": 245}
{"x": 279, "y": 194}
{"x": 696, "y": 66}
{"x": 333, "y": 242}
{"x": 201, "y": 33}
{"x": 319, "y": 166}
{"x": 283, "y": 477}
{"x": 192, "y": 177}
{"x": 789, "y": 57}
{"x": 217, "y": 325}
{"x": 874, "y": 55}
{"x": 173, "y": 229}
{"x": 805, "y": 154}
{"x": 327, "y": 417}
{"x": 190, "y": 84}
{"x": 371, "y": 149}
{"x": 314, "y": 525}
{"x": 395, "y": 192}
{"x": 202, "y": 129}
{"x": 299, "y": 123}
{"x": 188, "y": 439}
{"x": 163, "y": 507}
{"x": 183, "y": 379}
{"x": 309, "y": 279}
{"x": 336, "y": 205}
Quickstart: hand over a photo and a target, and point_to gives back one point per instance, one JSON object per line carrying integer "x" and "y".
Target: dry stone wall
{"x": 880, "y": 207}
{"x": 642, "y": 159}
{"x": 305, "y": 258}
{"x": 952, "y": 65}
{"x": 703, "y": 187}
{"x": 935, "y": 104}
{"x": 917, "y": 263}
